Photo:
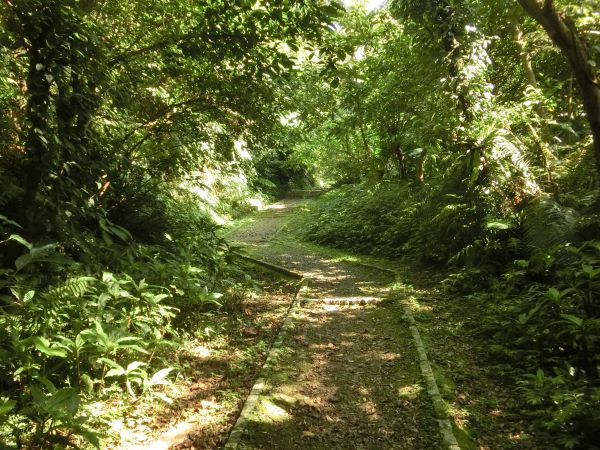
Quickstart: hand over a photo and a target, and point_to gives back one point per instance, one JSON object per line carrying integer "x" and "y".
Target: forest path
{"x": 347, "y": 375}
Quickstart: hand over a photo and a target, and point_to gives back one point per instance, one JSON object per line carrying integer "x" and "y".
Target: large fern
{"x": 547, "y": 224}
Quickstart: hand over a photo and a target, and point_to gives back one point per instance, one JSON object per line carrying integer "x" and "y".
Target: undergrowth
{"x": 93, "y": 316}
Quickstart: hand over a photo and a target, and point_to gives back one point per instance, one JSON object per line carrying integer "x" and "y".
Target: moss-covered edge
{"x": 439, "y": 405}
{"x": 238, "y": 429}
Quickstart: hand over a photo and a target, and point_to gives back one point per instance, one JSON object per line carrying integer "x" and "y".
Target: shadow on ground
{"x": 348, "y": 376}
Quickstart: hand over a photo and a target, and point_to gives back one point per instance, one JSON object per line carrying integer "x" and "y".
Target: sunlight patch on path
{"x": 344, "y": 363}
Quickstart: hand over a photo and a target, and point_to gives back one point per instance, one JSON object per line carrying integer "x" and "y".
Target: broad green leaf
{"x": 135, "y": 365}
{"x": 23, "y": 261}
{"x": 87, "y": 383}
{"x": 8, "y": 221}
{"x": 20, "y": 240}
{"x": 163, "y": 397}
{"x": 120, "y": 232}
{"x": 106, "y": 237}
{"x": 65, "y": 399}
{"x": 159, "y": 377}
{"x": 89, "y": 435}
{"x": 498, "y": 225}
{"x": 578, "y": 321}
{"x": 6, "y": 405}
{"x": 115, "y": 373}
{"x": 553, "y": 294}
{"x": 111, "y": 363}
{"x": 43, "y": 345}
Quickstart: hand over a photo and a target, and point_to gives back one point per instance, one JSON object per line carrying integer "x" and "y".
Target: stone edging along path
{"x": 440, "y": 409}
{"x": 250, "y": 404}
{"x": 439, "y": 405}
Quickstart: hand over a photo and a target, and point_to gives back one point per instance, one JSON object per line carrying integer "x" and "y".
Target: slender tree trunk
{"x": 451, "y": 36}
{"x": 401, "y": 161}
{"x": 421, "y": 169}
{"x": 570, "y": 112}
{"x": 564, "y": 34}
{"x": 544, "y": 152}
{"x": 367, "y": 149}
{"x": 523, "y": 52}
{"x": 545, "y": 155}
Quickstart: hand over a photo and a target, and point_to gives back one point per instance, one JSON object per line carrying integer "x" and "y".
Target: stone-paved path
{"x": 348, "y": 375}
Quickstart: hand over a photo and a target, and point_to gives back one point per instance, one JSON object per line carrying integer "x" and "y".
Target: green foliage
{"x": 546, "y": 339}
{"x": 57, "y": 412}
{"x": 127, "y": 132}
{"x": 87, "y": 331}
{"x": 454, "y": 135}
{"x": 417, "y": 222}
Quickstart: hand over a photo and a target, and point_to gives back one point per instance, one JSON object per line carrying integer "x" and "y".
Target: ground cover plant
{"x": 127, "y": 134}
{"x": 219, "y": 356}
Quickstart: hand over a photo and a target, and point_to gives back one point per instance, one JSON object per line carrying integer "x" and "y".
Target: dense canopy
{"x": 460, "y": 136}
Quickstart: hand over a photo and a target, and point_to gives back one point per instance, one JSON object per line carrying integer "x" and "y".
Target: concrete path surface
{"x": 347, "y": 375}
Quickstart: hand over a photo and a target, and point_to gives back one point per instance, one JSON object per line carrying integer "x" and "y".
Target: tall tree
{"x": 565, "y": 35}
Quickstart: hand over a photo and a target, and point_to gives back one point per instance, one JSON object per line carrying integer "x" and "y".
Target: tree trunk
{"x": 563, "y": 33}
{"x": 523, "y": 53}
{"x": 399, "y": 154}
{"x": 544, "y": 151}
{"x": 421, "y": 169}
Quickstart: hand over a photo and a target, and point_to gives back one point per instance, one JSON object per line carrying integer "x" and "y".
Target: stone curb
{"x": 267, "y": 265}
{"x": 238, "y": 429}
{"x": 439, "y": 406}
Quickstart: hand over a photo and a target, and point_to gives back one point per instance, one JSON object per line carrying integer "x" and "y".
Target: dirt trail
{"x": 348, "y": 377}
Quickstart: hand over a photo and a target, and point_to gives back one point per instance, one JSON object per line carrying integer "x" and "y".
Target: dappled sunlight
{"x": 370, "y": 409}
{"x": 207, "y": 415}
{"x": 338, "y": 342}
{"x": 272, "y": 412}
{"x": 219, "y": 368}
{"x": 257, "y": 203}
{"x": 201, "y": 351}
{"x": 331, "y": 374}
{"x": 326, "y": 276}
{"x": 434, "y": 168}
{"x": 275, "y": 206}
{"x": 411, "y": 391}
{"x": 177, "y": 433}
{"x": 417, "y": 307}
{"x": 331, "y": 308}
{"x": 385, "y": 355}
{"x": 349, "y": 300}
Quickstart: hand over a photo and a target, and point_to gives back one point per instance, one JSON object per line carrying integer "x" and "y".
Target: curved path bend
{"x": 347, "y": 375}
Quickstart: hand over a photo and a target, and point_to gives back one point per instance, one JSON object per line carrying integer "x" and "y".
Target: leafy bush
{"x": 413, "y": 221}
{"x": 72, "y": 329}
{"x": 544, "y": 334}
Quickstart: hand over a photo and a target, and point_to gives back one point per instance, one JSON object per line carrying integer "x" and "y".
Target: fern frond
{"x": 547, "y": 224}
{"x": 72, "y": 288}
